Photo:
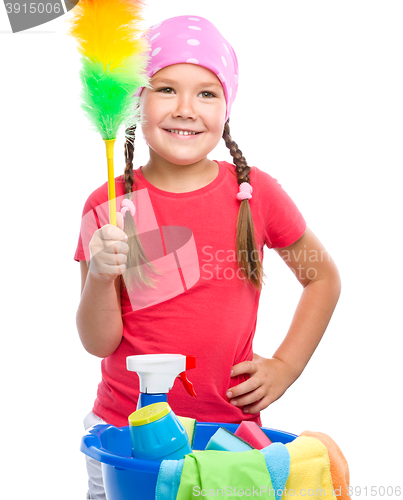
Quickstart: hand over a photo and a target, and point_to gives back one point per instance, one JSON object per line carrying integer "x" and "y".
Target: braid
{"x": 245, "y": 234}
{"x": 242, "y": 168}
{"x": 129, "y": 153}
{"x": 136, "y": 257}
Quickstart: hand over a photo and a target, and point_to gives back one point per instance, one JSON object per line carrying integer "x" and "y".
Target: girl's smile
{"x": 182, "y": 134}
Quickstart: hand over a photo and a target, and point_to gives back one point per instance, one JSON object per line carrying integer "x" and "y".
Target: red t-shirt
{"x": 201, "y": 305}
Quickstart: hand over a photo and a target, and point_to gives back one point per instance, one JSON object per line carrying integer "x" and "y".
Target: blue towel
{"x": 169, "y": 477}
{"x": 277, "y": 459}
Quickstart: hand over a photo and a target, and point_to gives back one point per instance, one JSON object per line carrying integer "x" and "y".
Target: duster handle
{"x": 109, "y": 143}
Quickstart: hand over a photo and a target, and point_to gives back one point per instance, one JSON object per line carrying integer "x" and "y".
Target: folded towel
{"x": 169, "y": 476}
{"x": 310, "y": 468}
{"x": 224, "y": 473}
{"x": 277, "y": 459}
{"x": 338, "y": 465}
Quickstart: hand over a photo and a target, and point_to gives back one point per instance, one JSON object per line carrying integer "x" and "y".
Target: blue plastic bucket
{"x": 128, "y": 478}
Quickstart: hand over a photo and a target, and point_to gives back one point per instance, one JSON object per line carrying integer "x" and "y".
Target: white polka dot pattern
{"x": 194, "y": 40}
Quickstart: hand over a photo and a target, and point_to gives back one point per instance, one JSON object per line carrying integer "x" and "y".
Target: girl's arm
{"x": 270, "y": 378}
{"x": 99, "y": 316}
{"x": 318, "y": 274}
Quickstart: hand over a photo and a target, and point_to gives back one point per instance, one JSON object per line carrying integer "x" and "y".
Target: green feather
{"x": 108, "y": 95}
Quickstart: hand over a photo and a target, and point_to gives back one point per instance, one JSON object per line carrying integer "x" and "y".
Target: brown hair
{"x": 135, "y": 272}
{"x": 247, "y": 254}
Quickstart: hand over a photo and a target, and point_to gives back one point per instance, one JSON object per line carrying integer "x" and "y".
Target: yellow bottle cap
{"x": 149, "y": 414}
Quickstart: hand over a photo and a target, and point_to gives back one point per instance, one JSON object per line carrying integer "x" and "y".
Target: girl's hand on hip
{"x": 108, "y": 249}
{"x": 268, "y": 380}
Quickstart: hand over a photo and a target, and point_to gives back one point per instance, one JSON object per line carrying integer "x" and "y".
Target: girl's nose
{"x": 184, "y": 107}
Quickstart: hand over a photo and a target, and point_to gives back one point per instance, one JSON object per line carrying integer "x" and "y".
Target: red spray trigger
{"x": 187, "y": 384}
{"x": 190, "y": 363}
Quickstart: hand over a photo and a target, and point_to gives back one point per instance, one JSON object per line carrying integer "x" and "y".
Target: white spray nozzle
{"x": 157, "y": 372}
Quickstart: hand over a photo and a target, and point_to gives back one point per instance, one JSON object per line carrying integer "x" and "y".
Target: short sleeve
{"x": 283, "y": 223}
{"x": 95, "y": 215}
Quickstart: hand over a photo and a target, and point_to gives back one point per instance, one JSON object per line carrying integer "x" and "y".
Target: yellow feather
{"x": 108, "y": 31}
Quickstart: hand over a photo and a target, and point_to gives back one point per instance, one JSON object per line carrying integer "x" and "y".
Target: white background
{"x": 320, "y": 108}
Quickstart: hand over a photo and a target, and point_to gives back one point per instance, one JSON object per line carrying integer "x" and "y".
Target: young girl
{"x": 182, "y": 272}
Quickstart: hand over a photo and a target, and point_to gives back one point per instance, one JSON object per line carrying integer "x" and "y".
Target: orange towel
{"x": 338, "y": 464}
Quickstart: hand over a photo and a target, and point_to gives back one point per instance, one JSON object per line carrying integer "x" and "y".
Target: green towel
{"x": 213, "y": 473}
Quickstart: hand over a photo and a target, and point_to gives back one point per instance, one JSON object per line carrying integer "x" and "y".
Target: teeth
{"x": 182, "y": 132}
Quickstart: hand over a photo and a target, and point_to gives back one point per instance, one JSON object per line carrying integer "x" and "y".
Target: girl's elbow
{"x": 333, "y": 281}
{"x": 330, "y": 279}
{"x": 96, "y": 345}
{"x": 100, "y": 351}
{"x": 336, "y": 279}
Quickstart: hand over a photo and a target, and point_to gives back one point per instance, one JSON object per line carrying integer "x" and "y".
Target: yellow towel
{"x": 309, "y": 470}
{"x": 338, "y": 465}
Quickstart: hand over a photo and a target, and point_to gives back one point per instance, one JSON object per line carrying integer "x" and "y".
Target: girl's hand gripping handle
{"x": 108, "y": 249}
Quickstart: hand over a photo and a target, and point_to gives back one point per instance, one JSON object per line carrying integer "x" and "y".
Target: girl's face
{"x": 187, "y": 98}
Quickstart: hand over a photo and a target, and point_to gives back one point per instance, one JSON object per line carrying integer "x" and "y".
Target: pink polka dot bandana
{"x": 194, "y": 40}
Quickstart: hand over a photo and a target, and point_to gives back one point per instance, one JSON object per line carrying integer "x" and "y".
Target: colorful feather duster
{"x": 114, "y": 59}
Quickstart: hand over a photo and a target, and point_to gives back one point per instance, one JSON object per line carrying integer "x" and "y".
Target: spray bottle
{"x": 155, "y": 431}
{"x": 157, "y": 374}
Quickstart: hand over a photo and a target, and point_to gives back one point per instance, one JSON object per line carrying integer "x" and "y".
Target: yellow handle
{"x": 111, "y": 181}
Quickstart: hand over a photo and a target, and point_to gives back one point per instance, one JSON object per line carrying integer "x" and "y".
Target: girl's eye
{"x": 166, "y": 90}
{"x": 207, "y": 94}
{"x": 169, "y": 90}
